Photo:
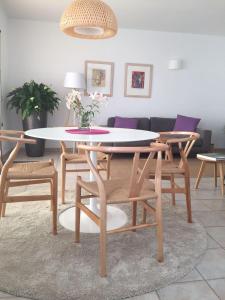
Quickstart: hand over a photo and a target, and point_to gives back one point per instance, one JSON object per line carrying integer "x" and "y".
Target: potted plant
{"x": 33, "y": 101}
{"x": 85, "y": 113}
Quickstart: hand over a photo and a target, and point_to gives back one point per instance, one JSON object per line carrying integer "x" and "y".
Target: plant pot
{"x": 35, "y": 121}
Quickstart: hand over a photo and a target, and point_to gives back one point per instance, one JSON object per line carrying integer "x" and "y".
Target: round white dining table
{"x": 115, "y": 217}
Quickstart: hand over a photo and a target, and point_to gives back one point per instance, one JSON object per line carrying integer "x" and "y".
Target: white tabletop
{"x": 115, "y": 135}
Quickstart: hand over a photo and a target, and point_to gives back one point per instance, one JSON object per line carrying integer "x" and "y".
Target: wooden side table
{"x": 218, "y": 160}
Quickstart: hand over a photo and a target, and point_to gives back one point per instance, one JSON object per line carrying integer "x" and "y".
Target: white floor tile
{"x": 198, "y": 290}
{"x": 211, "y": 243}
{"x": 215, "y": 204}
{"x": 192, "y": 276}
{"x": 218, "y": 285}
{"x": 212, "y": 265}
{"x": 210, "y": 218}
{"x": 218, "y": 234}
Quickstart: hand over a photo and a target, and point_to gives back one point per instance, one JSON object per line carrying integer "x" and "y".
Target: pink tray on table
{"x": 87, "y": 131}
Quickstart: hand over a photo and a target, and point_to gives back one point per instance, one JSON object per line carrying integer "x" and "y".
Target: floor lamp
{"x": 73, "y": 81}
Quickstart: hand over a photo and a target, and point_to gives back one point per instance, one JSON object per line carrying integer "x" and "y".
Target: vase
{"x": 84, "y": 121}
{"x": 36, "y": 120}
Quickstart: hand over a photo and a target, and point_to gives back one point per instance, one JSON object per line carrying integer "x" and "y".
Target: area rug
{"x": 38, "y": 265}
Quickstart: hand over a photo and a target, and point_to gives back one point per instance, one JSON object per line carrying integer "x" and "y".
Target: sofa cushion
{"x": 121, "y": 122}
{"x": 162, "y": 124}
{"x": 143, "y": 123}
{"x": 184, "y": 123}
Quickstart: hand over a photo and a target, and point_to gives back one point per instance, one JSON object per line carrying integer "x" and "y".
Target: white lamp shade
{"x": 74, "y": 80}
{"x": 174, "y": 64}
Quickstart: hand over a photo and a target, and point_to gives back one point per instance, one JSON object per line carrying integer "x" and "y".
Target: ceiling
{"x": 192, "y": 16}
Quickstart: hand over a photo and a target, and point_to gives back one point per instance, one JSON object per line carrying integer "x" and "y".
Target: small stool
{"x": 218, "y": 159}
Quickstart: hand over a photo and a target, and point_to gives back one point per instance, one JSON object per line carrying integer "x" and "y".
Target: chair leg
{"x": 134, "y": 214}
{"x": 202, "y": 167}
{"x": 103, "y": 222}
{"x": 221, "y": 178}
{"x": 215, "y": 174}
{"x": 108, "y": 165}
{"x": 5, "y": 195}
{"x": 63, "y": 179}
{"x": 173, "y": 189}
{"x": 159, "y": 230}
{"x": 51, "y": 187}
{"x": 77, "y": 212}
{"x": 188, "y": 197}
{"x": 3, "y": 209}
{"x": 54, "y": 204}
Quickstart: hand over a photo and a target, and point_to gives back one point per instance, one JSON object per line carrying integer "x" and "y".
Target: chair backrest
{"x": 64, "y": 148}
{"x": 76, "y": 149}
{"x": 12, "y": 136}
{"x": 137, "y": 174}
{"x": 183, "y": 139}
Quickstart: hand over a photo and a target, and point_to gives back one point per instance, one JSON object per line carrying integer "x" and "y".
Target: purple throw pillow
{"x": 184, "y": 123}
{"x": 126, "y": 123}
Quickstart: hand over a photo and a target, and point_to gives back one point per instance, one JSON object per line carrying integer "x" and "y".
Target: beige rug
{"x": 37, "y": 265}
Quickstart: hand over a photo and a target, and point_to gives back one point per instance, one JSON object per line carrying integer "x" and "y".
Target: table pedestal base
{"x": 115, "y": 218}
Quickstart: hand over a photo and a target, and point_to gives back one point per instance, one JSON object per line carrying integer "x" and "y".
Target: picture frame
{"x": 99, "y": 77}
{"x": 138, "y": 80}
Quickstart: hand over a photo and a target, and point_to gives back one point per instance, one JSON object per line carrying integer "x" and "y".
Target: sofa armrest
{"x": 205, "y": 136}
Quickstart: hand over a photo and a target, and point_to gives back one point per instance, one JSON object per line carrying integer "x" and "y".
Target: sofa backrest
{"x": 143, "y": 123}
{"x": 162, "y": 124}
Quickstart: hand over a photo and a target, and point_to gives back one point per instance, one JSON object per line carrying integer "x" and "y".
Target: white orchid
{"x": 72, "y": 98}
{"x": 98, "y": 97}
{"x": 85, "y": 113}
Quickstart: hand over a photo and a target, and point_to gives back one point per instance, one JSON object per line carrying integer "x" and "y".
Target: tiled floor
{"x": 207, "y": 280}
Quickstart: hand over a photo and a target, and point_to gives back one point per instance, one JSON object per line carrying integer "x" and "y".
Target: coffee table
{"x": 218, "y": 160}
{"x": 115, "y": 217}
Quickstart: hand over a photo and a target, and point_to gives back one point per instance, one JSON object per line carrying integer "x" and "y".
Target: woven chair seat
{"x": 81, "y": 158}
{"x": 168, "y": 168}
{"x": 32, "y": 170}
{"x": 117, "y": 190}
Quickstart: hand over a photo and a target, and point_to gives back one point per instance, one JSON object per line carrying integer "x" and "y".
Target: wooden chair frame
{"x": 137, "y": 179}
{"x": 185, "y": 141}
{"x": 103, "y": 165}
{"x": 6, "y": 182}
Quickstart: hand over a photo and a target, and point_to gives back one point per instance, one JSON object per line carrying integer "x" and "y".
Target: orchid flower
{"x": 98, "y": 96}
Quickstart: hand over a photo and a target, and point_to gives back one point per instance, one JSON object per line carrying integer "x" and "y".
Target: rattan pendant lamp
{"x": 89, "y": 19}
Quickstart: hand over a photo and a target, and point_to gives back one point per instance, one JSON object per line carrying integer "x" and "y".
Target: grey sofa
{"x": 157, "y": 124}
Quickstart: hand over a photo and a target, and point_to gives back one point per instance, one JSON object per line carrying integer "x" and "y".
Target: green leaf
{"x": 32, "y": 97}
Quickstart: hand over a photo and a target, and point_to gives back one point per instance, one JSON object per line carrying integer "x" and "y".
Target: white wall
{"x": 38, "y": 50}
{"x": 4, "y": 67}
{"x": 4, "y": 62}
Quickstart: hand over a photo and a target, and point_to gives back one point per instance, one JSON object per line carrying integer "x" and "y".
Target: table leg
{"x": 215, "y": 174}
{"x": 221, "y": 177}
{"x": 202, "y": 167}
{"x": 93, "y": 202}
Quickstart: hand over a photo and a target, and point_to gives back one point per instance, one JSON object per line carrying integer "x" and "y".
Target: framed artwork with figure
{"x": 99, "y": 77}
{"x": 138, "y": 80}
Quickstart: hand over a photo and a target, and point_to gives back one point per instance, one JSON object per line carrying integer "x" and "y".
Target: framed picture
{"x": 99, "y": 77}
{"x": 138, "y": 80}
